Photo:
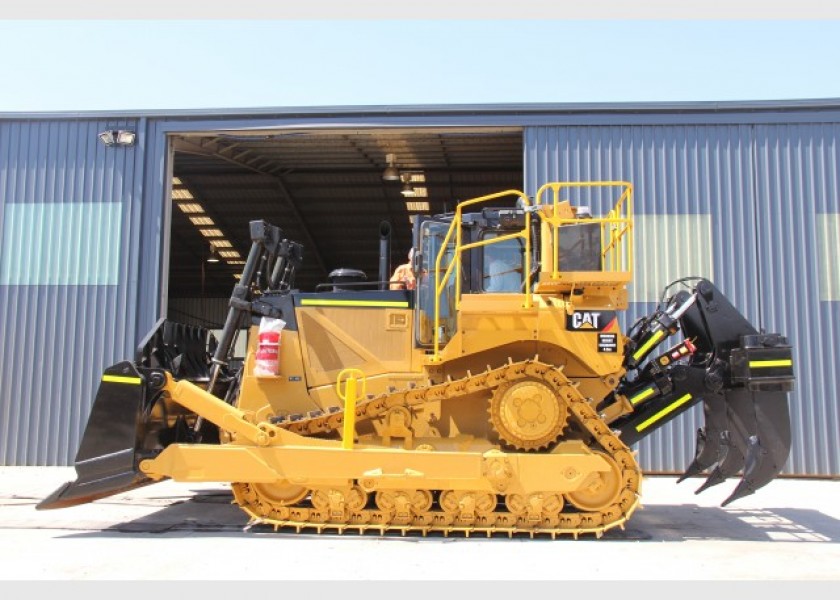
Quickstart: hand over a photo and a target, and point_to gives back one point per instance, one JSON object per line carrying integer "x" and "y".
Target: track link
{"x": 462, "y": 512}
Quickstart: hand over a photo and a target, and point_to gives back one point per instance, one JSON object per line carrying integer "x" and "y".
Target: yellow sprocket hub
{"x": 527, "y": 415}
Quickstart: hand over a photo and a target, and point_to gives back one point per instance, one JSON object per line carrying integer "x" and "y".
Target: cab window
{"x": 502, "y": 266}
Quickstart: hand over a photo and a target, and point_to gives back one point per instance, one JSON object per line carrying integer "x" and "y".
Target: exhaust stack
{"x": 384, "y": 254}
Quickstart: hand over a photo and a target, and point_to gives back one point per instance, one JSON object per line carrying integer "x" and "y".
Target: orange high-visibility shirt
{"x": 403, "y": 278}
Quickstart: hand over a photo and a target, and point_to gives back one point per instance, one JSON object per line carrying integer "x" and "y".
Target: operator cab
{"x": 489, "y": 267}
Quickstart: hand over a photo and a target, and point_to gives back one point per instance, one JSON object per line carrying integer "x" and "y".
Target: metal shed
{"x": 93, "y": 252}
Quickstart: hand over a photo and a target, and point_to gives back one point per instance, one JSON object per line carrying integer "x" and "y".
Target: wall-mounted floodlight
{"x": 118, "y": 137}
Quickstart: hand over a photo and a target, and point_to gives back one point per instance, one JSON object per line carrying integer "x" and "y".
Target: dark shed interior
{"x": 324, "y": 189}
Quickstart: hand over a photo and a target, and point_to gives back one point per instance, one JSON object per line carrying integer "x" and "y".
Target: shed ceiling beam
{"x": 360, "y": 151}
{"x": 383, "y": 193}
{"x": 213, "y": 149}
{"x": 448, "y": 164}
{"x": 230, "y": 147}
{"x": 242, "y": 155}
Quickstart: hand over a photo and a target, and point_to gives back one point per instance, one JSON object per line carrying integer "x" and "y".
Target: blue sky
{"x": 59, "y": 65}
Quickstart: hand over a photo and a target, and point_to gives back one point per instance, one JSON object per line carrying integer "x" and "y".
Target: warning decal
{"x": 607, "y": 342}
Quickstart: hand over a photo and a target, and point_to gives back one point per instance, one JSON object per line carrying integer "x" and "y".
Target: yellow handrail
{"x": 616, "y": 228}
{"x": 455, "y": 227}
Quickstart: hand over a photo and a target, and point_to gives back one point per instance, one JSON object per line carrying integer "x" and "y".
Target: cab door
{"x": 429, "y": 234}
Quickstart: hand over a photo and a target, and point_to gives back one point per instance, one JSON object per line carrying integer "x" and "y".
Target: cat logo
{"x": 585, "y": 320}
{"x": 590, "y": 320}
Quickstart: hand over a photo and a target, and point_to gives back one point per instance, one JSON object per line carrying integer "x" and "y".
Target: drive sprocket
{"x": 527, "y": 415}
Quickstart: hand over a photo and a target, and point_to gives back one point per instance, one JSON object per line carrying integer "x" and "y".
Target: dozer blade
{"x": 112, "y": 445}
{"x": 122, "y": 428}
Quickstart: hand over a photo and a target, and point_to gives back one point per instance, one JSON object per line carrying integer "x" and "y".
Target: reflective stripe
{"x": 647, "y": 393}
{"x": 364, "y": 303}
{"x": 761, "y": 364}
{"x": 121, "y": 379}
{"x": 668, "y": 409}
{"x": 649, "y": 344}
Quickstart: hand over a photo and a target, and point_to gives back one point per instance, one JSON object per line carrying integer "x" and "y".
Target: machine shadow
{"x": 214, "y": 512}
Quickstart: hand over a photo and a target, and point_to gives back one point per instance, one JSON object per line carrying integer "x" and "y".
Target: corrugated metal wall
{"x": 760, "y": 188}
{"x": 754, "y": 205}
{"x": 68, "y": 279}
{"x": 797, "y": 192}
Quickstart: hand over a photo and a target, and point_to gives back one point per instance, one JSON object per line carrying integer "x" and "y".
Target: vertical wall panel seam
{"x": 756, "y": 213}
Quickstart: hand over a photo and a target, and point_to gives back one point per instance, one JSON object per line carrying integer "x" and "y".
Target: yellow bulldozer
{"x": 484, "y": 400}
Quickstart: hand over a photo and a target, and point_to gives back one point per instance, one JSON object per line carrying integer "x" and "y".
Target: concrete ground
{"x": 788, "y": 530}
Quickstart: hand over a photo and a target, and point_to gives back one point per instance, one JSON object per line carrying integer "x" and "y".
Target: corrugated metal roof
{"x": 438, "y": 109}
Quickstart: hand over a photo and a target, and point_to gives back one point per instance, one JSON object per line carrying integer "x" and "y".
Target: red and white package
{"x": 268, "y": 350}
